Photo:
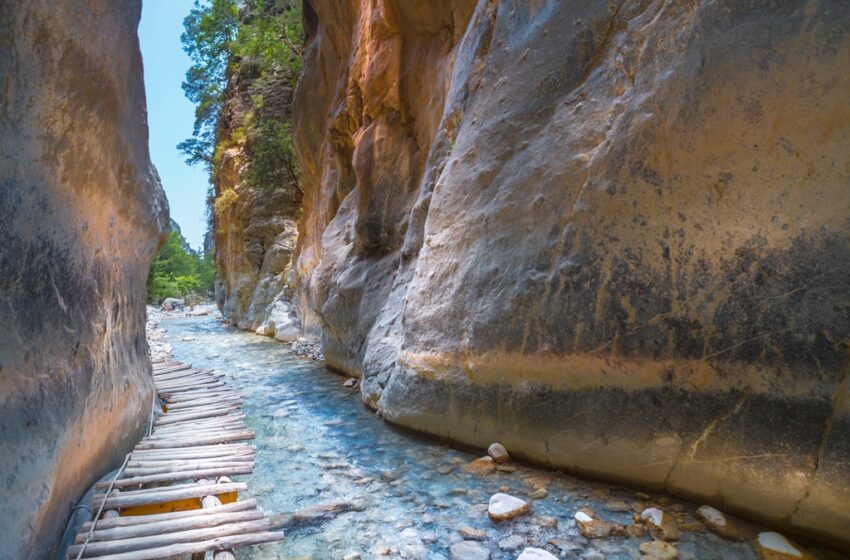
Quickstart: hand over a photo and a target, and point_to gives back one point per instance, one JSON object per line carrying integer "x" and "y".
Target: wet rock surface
{"x": 81, "y": 214}
{"x": 318, "y": 447}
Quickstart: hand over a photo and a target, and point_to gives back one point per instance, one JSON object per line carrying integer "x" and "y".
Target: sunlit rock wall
{"x": 81, "y": 213}
{"x": 255, "y": 229}
{"x": 612, "y": 236}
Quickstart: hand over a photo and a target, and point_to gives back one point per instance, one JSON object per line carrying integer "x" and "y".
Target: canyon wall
{"x": 81, "y": 214}
{"x": 614, "y": 236}
{"x": 255, "y": 227}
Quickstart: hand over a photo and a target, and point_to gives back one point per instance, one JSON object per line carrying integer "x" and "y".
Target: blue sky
{"x": 170, "y": 114}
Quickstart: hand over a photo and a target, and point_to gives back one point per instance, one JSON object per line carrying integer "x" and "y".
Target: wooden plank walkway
{"x": 174, "y": 494}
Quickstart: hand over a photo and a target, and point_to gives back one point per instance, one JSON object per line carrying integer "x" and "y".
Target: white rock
{"x": 775, "y": 546}
{"x": 503, "y": 507}
{"x": 712, "y": 516}
{"x": 661, "y": 525}
{"x": 536, "y": 554}
{"x": 498, "y": 452}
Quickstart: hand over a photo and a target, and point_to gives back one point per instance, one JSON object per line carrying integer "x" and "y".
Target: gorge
{"x": 613, "y": 236}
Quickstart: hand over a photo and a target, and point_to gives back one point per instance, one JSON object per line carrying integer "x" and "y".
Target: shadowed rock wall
{"x": 614, "y": 236}
{"x": 81, "y": 214}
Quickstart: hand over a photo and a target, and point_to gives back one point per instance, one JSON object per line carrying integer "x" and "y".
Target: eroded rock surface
{"x": 81, "y": 214}
{"x": 612, "y": 236}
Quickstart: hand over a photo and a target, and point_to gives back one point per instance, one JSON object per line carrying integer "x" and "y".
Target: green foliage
{"x": 273, "y": 157}
{"x": 178, "y": 272}
{"x": 210, "y": 31}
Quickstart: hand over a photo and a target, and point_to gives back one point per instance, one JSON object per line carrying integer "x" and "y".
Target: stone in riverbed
{"x": 350, "y": 383}
{"x": 498, "y": 452}
{"x": 661, "y": 525}
{"x": 468, "y": 550}
{"x": 536, "y": 554}
{"x": 658, "y": 550}
{"x": 773, "y": 546}
{"x": 482, "y": 466}
{"x": 538, "y": 493}
{"x": 470, "y": 533}
{"x": 719, "y": 523}
{"x": 504, "y": 506}
{"x": 618, "y": 506}
{"x": 512, "y": 542}
{"x": 593, "y": 528}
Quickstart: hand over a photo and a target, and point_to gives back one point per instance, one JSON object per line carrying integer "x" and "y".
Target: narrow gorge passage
{"x": 361, "y": 487}
{"x": 560, "y": 241}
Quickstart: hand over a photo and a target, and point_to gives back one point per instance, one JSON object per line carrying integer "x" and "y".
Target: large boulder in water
{"x": 81, "y": 215}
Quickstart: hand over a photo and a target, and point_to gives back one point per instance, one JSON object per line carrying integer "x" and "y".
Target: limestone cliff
{"x": 81, "y": 214}
{"x": 614, "y": 236}
{"x": 255, "y": 225}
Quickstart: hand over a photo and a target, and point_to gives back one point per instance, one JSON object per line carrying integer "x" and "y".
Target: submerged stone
{"x": 468, "y": 550}
{"x": 661, "y": 525}
{"x": 658, "y": 550}
{"x": 498, "y": 452}
{"x": 536, "y": 554}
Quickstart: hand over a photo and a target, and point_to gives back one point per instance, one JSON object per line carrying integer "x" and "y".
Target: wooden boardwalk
{"x": 174, "y": 494}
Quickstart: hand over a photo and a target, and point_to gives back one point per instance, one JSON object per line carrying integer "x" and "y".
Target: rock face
{"x": 613, "y": 236}
{"x": 255, "y": 229}
{"x": 81, "y": 214}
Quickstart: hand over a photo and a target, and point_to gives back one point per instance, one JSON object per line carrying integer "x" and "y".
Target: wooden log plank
{"x": 226, "y": 392}
{"x": 206, "y": 408}
{"x": 182, "y": 466}
{"x": 180, "y": 443}
{"x": 221, "y": 543}
{"x": 172, "y": 525}
{"x": 178, "y": 475}
{"x": 176, "y": 429}
{"x": 230, "y": 415}
{"x": 196, "y": 431}
{"x": 189, "y": 390}
{"x": 242, "y": 505}
{"x": 188, "y": 384}
{"x": 197, "y": 451}
{"x": 201, "y": 423}
{"x": 168, "y": 459}
{"x": 171, "y": 369}
{"x": 101, "y": 548}
{"x": 187, "y": 374}
{"x": 168, "y": 494}
{"x": 204, "y": 402}
{"x": 170, "y": 419}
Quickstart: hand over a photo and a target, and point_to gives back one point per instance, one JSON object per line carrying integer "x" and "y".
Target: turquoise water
{"x": 317, "y": 443}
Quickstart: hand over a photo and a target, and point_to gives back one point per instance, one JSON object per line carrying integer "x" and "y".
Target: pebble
{"x": 512, "y": 542}
{"x": 536, "y": 554}
{"x": 498, "y": 452}
{"x": 505, "y": 468}
{"x": 719, "y": 523}
{"x": 547, "y": 521}
{"x": 384, "y": 551}
{"x": 538, "y": 494}
{"x": 350, "y": 383}
{"x": 504, "y": 489}
{"x": 352, "y": 556}
{"x": 617, "y": 506}
{"x": 445, "y": 469}
{"x": 504, "y": 506}
{"x": 470, "y": 533}
{"x": 592, "y": 528}
{"x": 658, "y": 550}
{"x": 661, "y": 525}
{"x": 482, "y": 466}
{"x": 773, "y": 546}
{"x": 468, "y": 550}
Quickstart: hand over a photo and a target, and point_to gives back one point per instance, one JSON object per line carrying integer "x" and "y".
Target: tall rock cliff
{"x": 255, "y": 221}
{"x": 81, "y": 214}
{"x": 614, "y": 236}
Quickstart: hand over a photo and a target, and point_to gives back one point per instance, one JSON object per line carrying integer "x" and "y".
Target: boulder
{"x": 503, "y": 507}
{"x": 482, "y": 466}
{"x": 173, "y": 304}
{"x": 591, "y": 527}
{"x": 658, "y": 550}
{"x": 773, "y": 546}
{"x": 723, "y": 525}
{"x": 536, "y": 554}
{"x": 498, "y": 452}
{"x": 661, "y": 525}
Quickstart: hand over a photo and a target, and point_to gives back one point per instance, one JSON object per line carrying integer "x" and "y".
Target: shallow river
{"x": 316, "y": 443}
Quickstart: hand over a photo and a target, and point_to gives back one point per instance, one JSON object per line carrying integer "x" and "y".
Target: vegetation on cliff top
{"x": 221, "y": 37}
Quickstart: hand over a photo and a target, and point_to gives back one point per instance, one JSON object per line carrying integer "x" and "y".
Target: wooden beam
{"x": 95, "y": 549}
{"x": 172, "y": 525}
{"x": 177, "y": 475}
{"x": 242, "y": 505}
{"x": 161, "y": 495}
{"x": 221, "y": 543}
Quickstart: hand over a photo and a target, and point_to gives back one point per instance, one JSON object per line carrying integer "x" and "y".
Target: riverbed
{"x": 393, "y": 494}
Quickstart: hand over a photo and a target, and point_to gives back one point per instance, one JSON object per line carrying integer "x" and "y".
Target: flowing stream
{"x": 407, "y": 497}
